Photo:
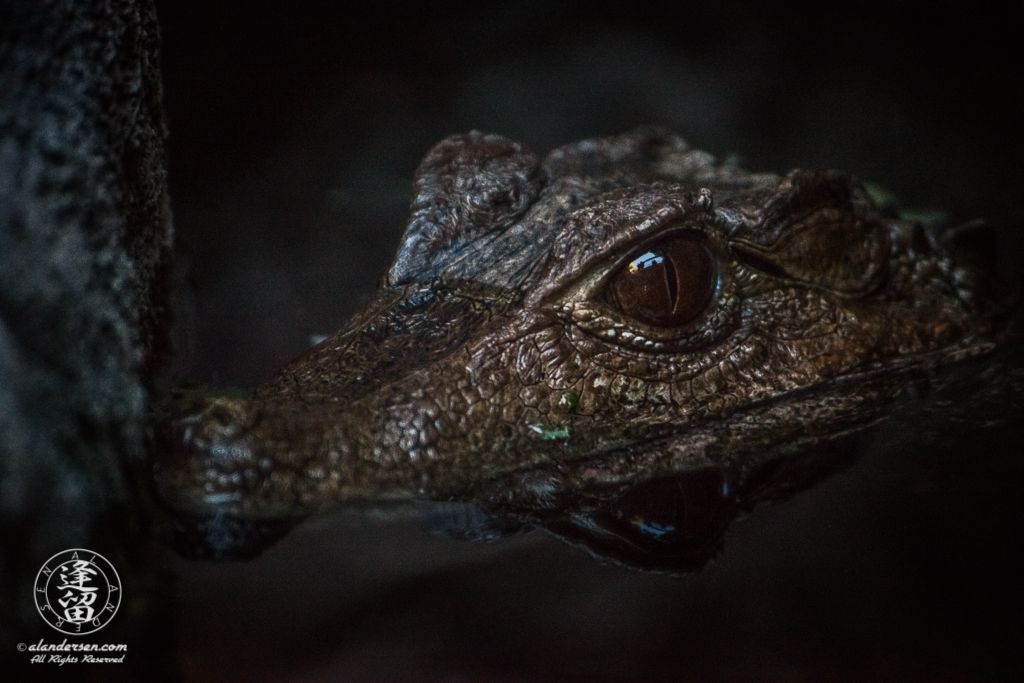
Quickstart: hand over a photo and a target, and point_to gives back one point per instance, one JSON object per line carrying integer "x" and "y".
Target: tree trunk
{"x": 85, "y": 259}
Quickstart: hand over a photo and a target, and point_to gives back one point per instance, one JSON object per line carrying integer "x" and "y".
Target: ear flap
{"x": 468, "y": 186}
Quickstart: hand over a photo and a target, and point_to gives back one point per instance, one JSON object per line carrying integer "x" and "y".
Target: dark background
{"x": 295, "y": 130}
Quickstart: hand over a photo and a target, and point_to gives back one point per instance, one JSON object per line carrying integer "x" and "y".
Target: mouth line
{"x": 877, "y": 373}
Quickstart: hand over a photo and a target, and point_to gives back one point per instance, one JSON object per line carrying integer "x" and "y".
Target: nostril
{"x": 205, "y": 468}
{"x": 201, "y": 455}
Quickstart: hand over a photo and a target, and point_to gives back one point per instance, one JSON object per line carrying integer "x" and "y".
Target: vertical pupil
{"x": 670, "y": 283}
{"x": 653, "y": 273}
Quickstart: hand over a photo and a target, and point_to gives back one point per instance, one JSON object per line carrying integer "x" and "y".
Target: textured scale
{"x": 451, "y": 384}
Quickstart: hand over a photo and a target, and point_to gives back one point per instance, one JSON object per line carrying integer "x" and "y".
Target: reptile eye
{"x": 667, "y": 283}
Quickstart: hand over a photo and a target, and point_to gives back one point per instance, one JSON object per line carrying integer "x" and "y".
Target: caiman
{"x": 625, "y": 343}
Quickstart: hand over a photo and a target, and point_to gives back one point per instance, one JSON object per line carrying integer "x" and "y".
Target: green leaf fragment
{"x": 886, "y": 200}
{"x": 930, "y": 219}
{"x": 551, "y": 434}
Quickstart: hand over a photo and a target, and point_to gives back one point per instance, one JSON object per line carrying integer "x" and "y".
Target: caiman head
{"x": 624, "y": 344}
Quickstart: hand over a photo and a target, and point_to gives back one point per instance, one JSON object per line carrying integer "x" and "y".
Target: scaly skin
{"x": 491, "y": 368}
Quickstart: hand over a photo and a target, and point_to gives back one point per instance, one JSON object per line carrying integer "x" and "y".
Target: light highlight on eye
{"x": 645, "y": 261}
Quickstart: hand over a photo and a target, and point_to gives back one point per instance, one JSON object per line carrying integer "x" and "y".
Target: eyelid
{"x": 593, "y": 239}
{"x": 601, "y": 271}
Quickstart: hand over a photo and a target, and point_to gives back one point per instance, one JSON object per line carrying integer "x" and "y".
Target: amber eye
{"x": 667, "y": 283}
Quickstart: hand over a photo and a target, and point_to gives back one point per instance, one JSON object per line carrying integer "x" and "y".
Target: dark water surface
{"x": 295, "y": 130}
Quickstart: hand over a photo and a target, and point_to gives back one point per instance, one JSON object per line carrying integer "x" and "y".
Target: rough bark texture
{"x": 85, "y": 252}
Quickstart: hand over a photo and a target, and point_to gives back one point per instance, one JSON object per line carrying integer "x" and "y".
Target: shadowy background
{"x": 295, "y": 131}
